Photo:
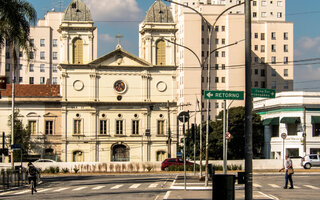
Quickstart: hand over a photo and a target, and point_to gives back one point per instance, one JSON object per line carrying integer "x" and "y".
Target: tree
{"x": 21, "y": 136}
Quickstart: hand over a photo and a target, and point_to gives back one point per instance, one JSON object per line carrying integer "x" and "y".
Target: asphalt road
{"x": 115, "y": 187}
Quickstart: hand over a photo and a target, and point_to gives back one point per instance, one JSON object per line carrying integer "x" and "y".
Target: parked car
{"x": 45, "y": 160}
{"x": 311, "y": 160}
{"x": 173, "y": 161}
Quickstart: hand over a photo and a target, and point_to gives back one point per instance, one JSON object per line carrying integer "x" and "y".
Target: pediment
{"x": 120, "y": 58}
{"x": 33, "y": 114}
{"x": 49, "y": 114}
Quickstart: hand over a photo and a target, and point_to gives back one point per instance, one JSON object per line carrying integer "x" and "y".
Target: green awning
{"x": 290, "y": 120}
{"x": 315, "y": 119}
{"x": 271, "y": 121}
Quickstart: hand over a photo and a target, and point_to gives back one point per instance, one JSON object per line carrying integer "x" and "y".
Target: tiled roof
{"x": 26, "y": 90}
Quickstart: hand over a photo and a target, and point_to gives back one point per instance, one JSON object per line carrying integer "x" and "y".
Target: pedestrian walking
{"x": 289, "y": 171}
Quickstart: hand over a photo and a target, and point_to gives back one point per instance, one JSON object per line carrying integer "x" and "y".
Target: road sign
{"x": 16, "y": 146}
{"x": 283, "y": 136}
{"x": 186, "y": 116}
{"x": 219, "y": 94}
{"x": 228, "y": 135}
{"x": 263, "y": 92}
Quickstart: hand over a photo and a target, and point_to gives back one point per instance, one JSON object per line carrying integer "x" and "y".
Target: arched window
{"x": 77, "y": 51}
{"x": 77, "y": 156}
{"x": 161, "y": 52}
{"x": 120, "y": 153}
{"x": 161, "y": 155}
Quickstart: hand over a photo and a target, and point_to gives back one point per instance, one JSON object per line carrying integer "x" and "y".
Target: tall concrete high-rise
{"x": 272, "y": 49}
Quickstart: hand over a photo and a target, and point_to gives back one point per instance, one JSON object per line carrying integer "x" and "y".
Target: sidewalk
{"x": 196, "y": 189}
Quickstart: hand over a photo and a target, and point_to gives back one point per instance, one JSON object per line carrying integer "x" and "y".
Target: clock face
{"x": 120, "y": 86}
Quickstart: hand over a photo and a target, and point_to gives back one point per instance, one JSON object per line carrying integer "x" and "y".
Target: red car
{"x": 173, "y": 161}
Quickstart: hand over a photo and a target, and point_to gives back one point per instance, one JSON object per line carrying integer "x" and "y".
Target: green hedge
{"x": 190, "y": 167}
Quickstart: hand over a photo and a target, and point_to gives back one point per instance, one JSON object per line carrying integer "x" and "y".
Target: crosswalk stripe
{"x": 274, "y": 185}
{"x": 134, "y": 186}
{"x": 296, "y": 187}
{"x": 61, "y": 189}
{"x": 80, "y": 188}
{"x": 43, "y": 190}
{"x": 23, "y": 191}
{"x": 116, "y": 187}
{"x": 4, "y": 193}
{"x": 312, "y": 187}
{"x": 153, "y": 185}
{"x": 256, "y": 185}
{"x": 98, "y": 187}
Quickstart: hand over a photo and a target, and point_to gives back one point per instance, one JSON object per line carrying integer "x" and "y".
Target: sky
{"x": 123, "y": 16}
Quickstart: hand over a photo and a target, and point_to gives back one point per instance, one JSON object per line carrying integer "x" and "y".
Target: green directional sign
{"x": 263, "y": 92}
{"x": 219, "y": 94}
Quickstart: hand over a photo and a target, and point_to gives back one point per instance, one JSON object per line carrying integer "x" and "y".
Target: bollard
{"x": 223, "y": 187}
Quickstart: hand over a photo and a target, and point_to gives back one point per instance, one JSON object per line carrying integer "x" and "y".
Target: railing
{"x": 13, "y": 178}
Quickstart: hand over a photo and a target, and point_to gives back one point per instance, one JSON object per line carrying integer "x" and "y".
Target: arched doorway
{"x": 77, "y": 51}
{"x": 120, "y": 153}
{"x": 77, "y": 156}
{"x": 161, "y": 53}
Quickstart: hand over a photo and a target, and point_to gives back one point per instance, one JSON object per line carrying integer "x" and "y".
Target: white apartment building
{"x": 47, "y": 39}
{"x": 272, "y": 50}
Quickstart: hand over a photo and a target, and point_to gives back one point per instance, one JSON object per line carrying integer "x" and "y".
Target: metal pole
{"x": 304, "y": 132}
{"x": 169, "y": 131}
{"x": 224, "y": 139}
{"x": 248, "y": 103}
{"x": 283, "y": 152}
{"x": 3, "y": 145}
{"x": 177, "y": 135}
{"x": 194, "y": 137}
{"x": 184, "y": 152}
{"x": 12, "y": 117}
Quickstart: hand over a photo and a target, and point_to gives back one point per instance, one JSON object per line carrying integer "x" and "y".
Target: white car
{"x": 45, "y": 160}
{"x": 311, "y": 160}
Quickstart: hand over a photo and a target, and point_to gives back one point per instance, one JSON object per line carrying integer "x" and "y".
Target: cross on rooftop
{"x": 119, "y": 36}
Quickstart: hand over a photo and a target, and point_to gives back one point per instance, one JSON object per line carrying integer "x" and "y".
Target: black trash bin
{"x": 223, "y": 187}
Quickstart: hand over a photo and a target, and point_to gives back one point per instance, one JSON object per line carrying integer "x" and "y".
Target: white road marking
{"x": 153, "y": 185}
{"x": 312, "y": 187}
{"x": 167, "y": 195}
{"x": 99, "y": 187}
{"x": 4, "y": 193}
{"x": 61, "y": 189}
{"x": 256, "y": 185}
{"x": 296, "y": 187}
{"x": 268, "y": 196}
{"x": 80, "y": 188}
{"x": 43, "y": 190}
{"x": 274, "y": 185}
{"x": 23, "y": 191}
{"x": 134, "y": 186}
{"x": 116, "y": 187}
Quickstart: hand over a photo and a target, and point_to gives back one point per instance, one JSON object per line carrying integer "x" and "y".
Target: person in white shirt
{"x": 288, "y": 176}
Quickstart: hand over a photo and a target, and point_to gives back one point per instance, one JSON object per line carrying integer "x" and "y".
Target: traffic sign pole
{"x": 224, "y": 139}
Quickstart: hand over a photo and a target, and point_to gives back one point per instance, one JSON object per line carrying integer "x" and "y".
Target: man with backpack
{"x": 32, "y": 175}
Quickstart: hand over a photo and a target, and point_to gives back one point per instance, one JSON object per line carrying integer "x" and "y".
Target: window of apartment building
{"x": 217, "y": 53}
{"x": 42, "y": 68}
{"x": 20, "y": 66}
{"x": 275, "y": 130}
{"x": 20, "y": 79}
{"x": 285, "y": 48}
{"x": 160, "y": 127}
{"x": 271, "y": 13}
{"x": 217, "y": 41}
{"x": 273, "y": 35}
{"x": 285, "y": 35}
{"x": 262, "y": 48}
{"x": 285, "y": 60}
{"x": 216, "y": 80}
{"x": 273, "y": 60}
{"x": 262, "y": 72}
{"x": 223, "y": 41}
{"x": 223, "y": 79}
{"x": 31, "y": 42}
{"x": 103, "y": 127}
{"x": 256, "y": 35}
{"x": 216, "y": 66}
{"x": 8, "y": 80}
{"x": 54, "y": 55}
{"x": 42, "y": 55}
{"x": 279, "y": 3}
{"x": 273, "y": 48}
{"x": 285, "y": 72}
{"x": 273, "y": 72}
{"x": 216, "y": 28}
{"x": 292, "y": 128}
{"x": 54, "y": 68}
{"x": 135, "y": 127}
{"x": 254, "y": 14}
{"x": 42, "y": 80}
{"x": 49, "y": 127}
{"x": 263, "y": 3}
{"x": 223, "y": 54}
{"x": 262, "y": 59}
{"x": 263, "y": 84}
{"x": 7, "y": 55}
{"x": 54, "y": 80}
{"x": 256, "y": 84}
{"x": 262, "y": 36}
{"x": 223, "y": 66}
{"x": 7, "y": 67}
{"x": 273, "y": 85}
{"x": 54, "y": 42}
{"x": 31, "y": 68}
{"x": 256, "y": 71}
{"x": 263, "y": 14}
{"x": 202, "y": 40}
{"x": 256, "y": 47}
{"x": 31, "y": 80}
{"x": 286, "y": 85}
{"x": 202, "y": 28}
{"x": 279, "y": 14}
{"x": 223, "y": 28}
{"x": 256, "y": 59}
{"x": 77, "y": 126}
{"x": 31, "y": 55}
{"x": 42, "y": 41}
{"x": 202, "y": 53}
{"x": 216, "y": 105}
{"x": 202, "y": 79}
{"x": 315, "y": 128}
{"x": 254, "y": 3}
{"x": 20, "y": 54}
{"x": 32, "y": 127}
{"x": 207, "y": 40}
{"x": 119, "y": 127}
